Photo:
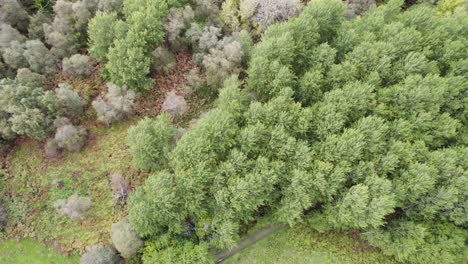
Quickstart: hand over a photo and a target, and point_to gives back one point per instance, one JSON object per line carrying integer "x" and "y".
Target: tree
{"x": 153, "y": 212}
{"x": 102, "y": 31}
{"x": 151, "y": 141}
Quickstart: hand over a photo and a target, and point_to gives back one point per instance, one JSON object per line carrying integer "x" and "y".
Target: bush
{"x": 163, "y": 60}
{"x": 13, "y": 13}
{"x": 100, "y": 254}
{"x": 26, "y": 77}
{"x": 8, "y": 35}
{"x": 74, "y": 206}
{"x": 177, "y": 22}
{"x": 125, "y": 239}
{"x": 220, "y": 63}
{"x": 150, "y": 142}
{"x": 14, "y": 55}
{"x": 30, "y": 110}
{"x": 70, "y": 137}
{"x": 36, "y": 28}
{"x": 174, "y": 104}
{"x": 38, "y": 57}
{"x": 116, "y": 104}
{"x": 110, "y": 5}
{"x": 77, "y": 66}
{"x": 71, "y": 103}
{"x": 357, "y": 7}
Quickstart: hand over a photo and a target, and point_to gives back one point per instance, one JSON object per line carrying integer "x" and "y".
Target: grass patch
{"x": 31, "y": 252}
{"x": 32, "y": 184}
{"x": 300, "y": 245}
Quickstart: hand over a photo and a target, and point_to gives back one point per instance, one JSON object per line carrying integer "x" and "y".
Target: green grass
{"x": 300, "y": 245}
{"x": 31, "y": 252}
{"x": 32, "y": 184}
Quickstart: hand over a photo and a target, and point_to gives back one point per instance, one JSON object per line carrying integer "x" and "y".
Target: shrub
{"x": 30, "y": 110}
{"x": 100, "y": 254}
{"x": 263, "y": 13}
{"x": 71, "y": 103}
{"x": 74, "y": 206}
{"x": 163, "y": 60}
{"x": 63, "y": 44}
{"x": 110, "y": 5}
{"x": 150, "y": 142}
{"x": 70, "y": 137}
{"x": 195, "y": 82}
{"x": 125, "y": 239}
{"x": 357, "y": 7}
{"x": 38, "y": 57}
{"x": 14, "y": 55}
{"x": 221, "y": 63}
{"x": 26, "y": 77}
{"x": 174, "y": 104}
{"x": 36, "y": 28}
{"x": 116, "y": 104}
{"x": 8, "y": 35}
{"x": 78, "y": 66}
{"x": 177, "y": 22}
{"x": 13, "y": 13}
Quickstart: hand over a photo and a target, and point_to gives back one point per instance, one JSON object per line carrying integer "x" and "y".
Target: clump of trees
{"x": 125, "y": 45}
{"x": 359, "y": 123}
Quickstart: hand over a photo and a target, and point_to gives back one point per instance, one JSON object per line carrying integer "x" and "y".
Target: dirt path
{"x": 248, "y": 241}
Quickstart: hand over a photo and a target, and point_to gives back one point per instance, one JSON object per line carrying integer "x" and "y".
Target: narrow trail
{"x": 249, "y": 241}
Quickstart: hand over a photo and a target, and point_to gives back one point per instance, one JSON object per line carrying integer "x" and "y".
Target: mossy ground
{"x": 32, "y": 184}
{"x": 300, "y": 245}
{"x": 31, "y": 252}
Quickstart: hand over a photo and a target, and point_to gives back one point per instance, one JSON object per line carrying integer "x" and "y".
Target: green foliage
{"x": 421, "y": 243}
{"x": 129, "y": 65}
{"x": 359, "y": 123}
{"x": 151, "y": 141}
{"x": 152, "y": 212}
{"x": 102, "y": 33}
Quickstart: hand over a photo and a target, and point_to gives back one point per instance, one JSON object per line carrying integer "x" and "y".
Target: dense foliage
{"x": 359, "y": 125}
